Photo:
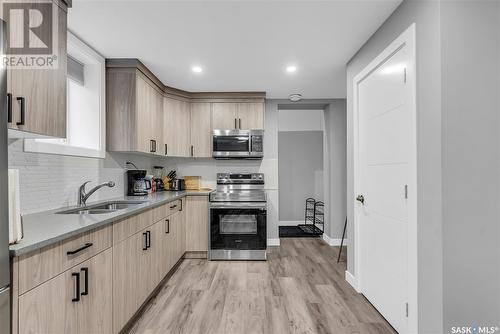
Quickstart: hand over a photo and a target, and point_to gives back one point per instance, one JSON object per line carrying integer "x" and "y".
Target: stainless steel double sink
{"x": 107, "y": 207}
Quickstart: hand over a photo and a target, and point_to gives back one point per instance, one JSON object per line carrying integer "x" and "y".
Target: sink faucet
{"x": 83, "y": 196}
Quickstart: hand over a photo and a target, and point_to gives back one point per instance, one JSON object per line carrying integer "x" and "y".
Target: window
{"x": 85, "y": 128}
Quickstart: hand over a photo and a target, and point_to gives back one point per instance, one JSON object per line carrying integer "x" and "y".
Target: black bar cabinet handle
{"x": 235, "y": 124}
{"x": 239, "y": 120}
{"x": 192, "y": 150}
{"x": 77, "y": 287}
{"x": 9, "y": 108}
{"x": 86, "y": 282}
{"x": 168, "y": 226}
{"x": 23, "y": 109}
{"x": 148, "y": 239}
{"x": 181, "y": 206}
{"x": 155, "y": 144}
{"x": 87, "y": 245}
{"x": 151, "y": 145}
{"x": 145, "y": 241}
{"x": 166, "y": 149}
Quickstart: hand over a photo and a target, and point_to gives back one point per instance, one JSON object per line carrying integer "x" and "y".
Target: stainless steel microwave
{"x": 238, "y": 144}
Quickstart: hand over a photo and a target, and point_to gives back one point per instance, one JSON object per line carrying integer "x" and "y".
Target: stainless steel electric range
{"x": 238, "y": 216}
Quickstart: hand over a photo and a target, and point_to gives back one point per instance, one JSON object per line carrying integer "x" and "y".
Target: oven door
{"x": 238, "y": 228}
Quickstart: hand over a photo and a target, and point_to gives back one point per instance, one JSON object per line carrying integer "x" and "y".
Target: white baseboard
{"x": 333, "y": 241}
{"x": 273, "y": 242}
{"x": 290, "y": 222}
{"x": 352, "y": 280}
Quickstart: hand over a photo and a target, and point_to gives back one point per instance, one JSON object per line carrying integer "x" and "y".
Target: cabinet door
{"x": 224, "y": 116}
{"x": 168, "y": 245}
{"x": 197, "y": 223}
{"x": 176, "y": 127}
{"x": 145, "y": 275}
{"x": 49, "y": 308}
{"x": 143, "y": 119}
{"x": 43, "y": 90}
{"x": 251, "y": 116}
{"x": 157, "y": 122}
{"x": 96, "y": 307}
{"x": 201, "y": 136}
{"x": 159, "y": 260}
{"x": 126, "y": 283}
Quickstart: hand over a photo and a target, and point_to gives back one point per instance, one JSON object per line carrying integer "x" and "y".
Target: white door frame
{"x": 407, "y": 39}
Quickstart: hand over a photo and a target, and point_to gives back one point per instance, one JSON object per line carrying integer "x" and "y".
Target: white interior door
{"x": 385, "y": 107}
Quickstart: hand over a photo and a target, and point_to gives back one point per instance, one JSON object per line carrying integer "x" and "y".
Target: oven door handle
{"x": 262, "y": 207}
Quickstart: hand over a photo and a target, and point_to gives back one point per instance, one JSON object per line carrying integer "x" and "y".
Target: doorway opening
{"x": 301, "y": 167}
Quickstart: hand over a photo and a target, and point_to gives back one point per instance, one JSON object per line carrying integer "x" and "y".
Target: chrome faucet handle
{"x": 81, "y": 193}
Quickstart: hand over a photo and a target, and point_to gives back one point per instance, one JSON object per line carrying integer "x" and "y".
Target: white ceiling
{"x": 241, "y": 45}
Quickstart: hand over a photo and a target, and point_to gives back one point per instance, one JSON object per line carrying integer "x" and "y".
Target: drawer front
{"x": 85, "y": 246}
{"x": 174, "y": 207}
{"x": 159, "y": 213}
{"x": 125, "y": 228}
{"x": 43, "y": 264}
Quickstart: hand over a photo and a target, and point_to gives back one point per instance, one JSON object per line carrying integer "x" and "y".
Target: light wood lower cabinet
{"x": 197, "y": 224}
{"x": 76, "y": 301}
{"x": 100, "y": 292}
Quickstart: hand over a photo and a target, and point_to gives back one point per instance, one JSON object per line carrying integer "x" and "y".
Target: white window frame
{"x": 85, "y": 54}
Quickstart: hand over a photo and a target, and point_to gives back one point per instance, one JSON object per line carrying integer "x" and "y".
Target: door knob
{"x": 360, "y": 199}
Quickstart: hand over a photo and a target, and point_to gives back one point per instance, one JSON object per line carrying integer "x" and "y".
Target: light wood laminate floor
{"x": 299, "y": 289}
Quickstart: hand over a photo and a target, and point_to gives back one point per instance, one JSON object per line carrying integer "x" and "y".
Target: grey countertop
{"x": 46, "y": 228}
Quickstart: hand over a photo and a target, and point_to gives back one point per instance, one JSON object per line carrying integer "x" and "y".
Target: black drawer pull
{"x": 145, "y": 234}
{"x": 9, "y": 108}
{"x": 86, "y": 282}
{"x": 87, "y": 245}
{"x": 23, "y": 109}
{"x": 173, "y": 206}
{"x": 168, "y": 226}
{"x": 77, "y": 287}
{"x": 148, "y": 239}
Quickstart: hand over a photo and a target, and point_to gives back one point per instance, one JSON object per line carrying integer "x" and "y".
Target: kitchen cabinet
{"x": 225, "y": 116}
{"x": 76, "y": 301}
{"x": 196, "y": 224}
{"x": 201, "y": 136}
{"x": 177, "y": 128}
{"x": 251, "y": 116}
{"x": 38, "y": 96}
{"x": 244, "y": 116}
{"x": 134, "y": 114}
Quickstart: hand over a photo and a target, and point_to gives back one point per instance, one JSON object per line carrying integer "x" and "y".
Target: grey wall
{"x": 300, "y": 162}
{"x": 458, "y": 55}
{"x": 426, "y": 16}
{"x": 336, "y": 150}
{"x": 470, "y": 63}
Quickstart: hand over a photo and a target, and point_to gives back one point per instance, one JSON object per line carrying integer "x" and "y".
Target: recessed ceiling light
{"x": 291, "y": 69}
{"x": 196, "y": 69}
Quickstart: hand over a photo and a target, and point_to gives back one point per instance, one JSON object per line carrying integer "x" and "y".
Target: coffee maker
{"x": 136, "y": 182}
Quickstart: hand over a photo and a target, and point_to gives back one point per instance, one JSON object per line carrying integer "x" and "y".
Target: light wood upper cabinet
{"x": 243, "y": 115}
{"x": 62, "y": 306}
{"x": 177, "y": 132}
{"x": 197, "y": 224}
{"x": 225, "y": 116}
{"x": 201, "y": 136}
{"x": 251, "y": 116}
{"x": 38, "y": 96}
{"x": 134, "y": 114}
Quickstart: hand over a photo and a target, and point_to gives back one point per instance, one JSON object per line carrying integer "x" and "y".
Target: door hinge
{"x": 407, "y": 310}
{"x": 404, "y": 75}
{"x": 406, "y": 191}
